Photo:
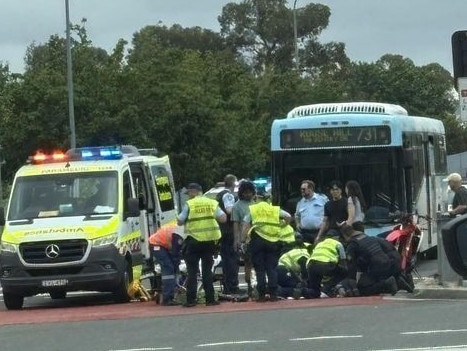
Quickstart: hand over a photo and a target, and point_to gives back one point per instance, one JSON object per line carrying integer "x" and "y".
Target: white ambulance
{"x": 79, "y": 221}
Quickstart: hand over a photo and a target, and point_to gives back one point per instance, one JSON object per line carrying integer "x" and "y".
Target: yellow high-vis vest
{"x": 201, "y": 223}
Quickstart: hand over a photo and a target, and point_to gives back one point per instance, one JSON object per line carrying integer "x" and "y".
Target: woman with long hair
{"x": 355, "y": 205}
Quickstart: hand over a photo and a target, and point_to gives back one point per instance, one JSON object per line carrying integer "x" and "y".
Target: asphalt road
{"x": 91, "y": 322}
{"x": 380, "y": 325}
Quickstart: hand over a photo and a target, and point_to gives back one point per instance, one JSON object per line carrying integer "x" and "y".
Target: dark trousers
{"x": 164, "y": 258}
{"x": 229, "y": 266}
{"x": 287, "y": 281}
{"x": 195, "y": 251}
{"x": 265, "y": 256}
{"x": 316, "y": 272}
{"x": 373, "y": 282}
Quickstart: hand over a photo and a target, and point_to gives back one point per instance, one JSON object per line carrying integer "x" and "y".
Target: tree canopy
{"x": 205, "y": 98}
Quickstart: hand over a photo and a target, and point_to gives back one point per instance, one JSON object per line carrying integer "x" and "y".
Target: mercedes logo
{"x": 52, "y": 251}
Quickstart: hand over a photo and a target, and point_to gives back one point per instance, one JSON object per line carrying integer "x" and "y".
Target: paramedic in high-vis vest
{"x": 201, "y": 216}
{"x": 263, "y": 225}
{"x": 166, "y": 245}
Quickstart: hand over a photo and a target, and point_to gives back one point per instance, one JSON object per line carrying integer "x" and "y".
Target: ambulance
{"x": 80, "y": 221}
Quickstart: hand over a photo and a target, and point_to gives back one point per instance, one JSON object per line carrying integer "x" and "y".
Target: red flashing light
{"x": 41, "y": 157}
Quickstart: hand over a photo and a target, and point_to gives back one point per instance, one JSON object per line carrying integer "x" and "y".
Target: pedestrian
{"x": 263, "y": 226}
{"x": 355, "y": 206}
{"x": 459, "y": 202}
{"x": 309, "y": 212}
{"x": 201, "y": 216}
{"x": 291, "y": 271}
{"x": 166, "y": 244}
{"x": 335, "y": 210}
{"x": 229, "y": 254}
{"x": 328, "y": 259}
{"x": 365, "y": 254}
{"x": 241, "y": 208}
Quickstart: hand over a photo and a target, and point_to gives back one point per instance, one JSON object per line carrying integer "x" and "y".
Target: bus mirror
{"x": 454, "y": 234}
{"x": 407, "y": 158}
{"x": 133, "y": 208}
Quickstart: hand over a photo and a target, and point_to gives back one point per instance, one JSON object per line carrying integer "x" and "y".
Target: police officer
{"x": 291, "y": 270}
{"x": 228, "y": 251}
{"x": 166, "y": 245}
{"x": 200, "y": 215}
{"x": 365, "y": 254}
{"x": 263, "y": 225}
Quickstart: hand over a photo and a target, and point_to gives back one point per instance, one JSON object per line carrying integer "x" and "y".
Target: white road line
{"x": 447, "y": 347}
{"x": 145, "y": 349}
{"x": 435, "y": 331}
{"x": 239, "y": 342}
{"x": 327, "y": 337}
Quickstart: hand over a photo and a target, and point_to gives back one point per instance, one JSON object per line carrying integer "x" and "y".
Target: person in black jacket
{"x": 365, "y": 254}
{"x": 228, "y": 251}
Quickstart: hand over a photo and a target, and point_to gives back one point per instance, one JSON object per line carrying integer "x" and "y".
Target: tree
{"x": 262, "y": 31}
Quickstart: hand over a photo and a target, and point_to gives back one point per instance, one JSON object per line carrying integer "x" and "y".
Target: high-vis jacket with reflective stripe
{"x": 265, "y": 221}
{"x": 201, "y": 223}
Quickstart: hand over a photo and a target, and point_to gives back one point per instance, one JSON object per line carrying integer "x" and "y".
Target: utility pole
{"x": 71, "y": 107}
{"x": 295, "y": 35}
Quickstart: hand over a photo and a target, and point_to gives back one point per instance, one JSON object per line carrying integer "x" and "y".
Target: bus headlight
{"x": 110, "y": 239}
{"x": 8, "y": 247}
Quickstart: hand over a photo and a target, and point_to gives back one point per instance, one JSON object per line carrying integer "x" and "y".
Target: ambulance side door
{"x": 165, "y": 190}
{"x": 147, "y": 204}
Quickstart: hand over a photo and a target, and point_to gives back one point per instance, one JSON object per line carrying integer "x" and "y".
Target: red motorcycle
{"x": 406, "y": 237}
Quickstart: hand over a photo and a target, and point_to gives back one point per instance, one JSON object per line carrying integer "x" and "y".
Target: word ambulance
{"x": 81, "y": 220}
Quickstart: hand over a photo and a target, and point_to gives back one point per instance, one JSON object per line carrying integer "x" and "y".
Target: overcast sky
{"x": 418, "y": 29}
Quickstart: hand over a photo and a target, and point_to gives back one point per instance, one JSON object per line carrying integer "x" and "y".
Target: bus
{"x": 399, "y": 160}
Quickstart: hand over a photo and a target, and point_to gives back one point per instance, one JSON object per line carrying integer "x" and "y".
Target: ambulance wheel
{"x": 57, "y": 295}
{"x": 13, "y": 302}
{"x": 121, "y": 294}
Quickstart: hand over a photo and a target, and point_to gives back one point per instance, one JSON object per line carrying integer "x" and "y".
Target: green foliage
{"x": 207, "y": 99}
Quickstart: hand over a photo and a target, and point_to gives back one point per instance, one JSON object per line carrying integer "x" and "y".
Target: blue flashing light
{"x": 96, "y": 153}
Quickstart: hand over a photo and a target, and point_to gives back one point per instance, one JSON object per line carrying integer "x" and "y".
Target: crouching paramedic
{"x": 166, "y": 248}
{"x": 263, "y": 225}
{"x": 291, "y": 270}
{"x": 328, "y": 259}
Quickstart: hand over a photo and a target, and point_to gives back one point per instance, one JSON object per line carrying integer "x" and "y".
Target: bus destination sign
{"x": 335, "y": 136}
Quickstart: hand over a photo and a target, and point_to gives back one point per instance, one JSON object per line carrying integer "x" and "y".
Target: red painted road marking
{"x": 50, "y": 314}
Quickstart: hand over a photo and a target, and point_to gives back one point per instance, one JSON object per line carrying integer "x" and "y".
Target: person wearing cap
{"x": 459, "y": 202}
{"x": 166, "y": 245}
{"x": 201, "y": 217}
{"x": 335, "y": 210}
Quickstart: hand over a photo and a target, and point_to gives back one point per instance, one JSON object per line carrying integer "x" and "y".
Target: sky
{"x": 420, "y": 30}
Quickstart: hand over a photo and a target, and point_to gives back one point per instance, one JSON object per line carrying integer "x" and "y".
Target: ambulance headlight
{"x": 8, "y": 247}
{"x": 105, "y": 240}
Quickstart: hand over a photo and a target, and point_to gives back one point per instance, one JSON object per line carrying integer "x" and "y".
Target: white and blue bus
{"x": 398, "y": 160}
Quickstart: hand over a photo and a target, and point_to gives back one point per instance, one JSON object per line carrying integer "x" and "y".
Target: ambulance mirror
{"x": 133, "y": 208}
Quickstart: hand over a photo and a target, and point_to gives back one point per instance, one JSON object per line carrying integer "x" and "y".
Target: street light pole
{"x": 295, "y": 35}
{"x": 71, "y": 107}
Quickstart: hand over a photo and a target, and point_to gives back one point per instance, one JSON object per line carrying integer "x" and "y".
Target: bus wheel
{"x": 57, "y": 295}
{"x": 121, "y": 294}
{"x": 13, "y": 302}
